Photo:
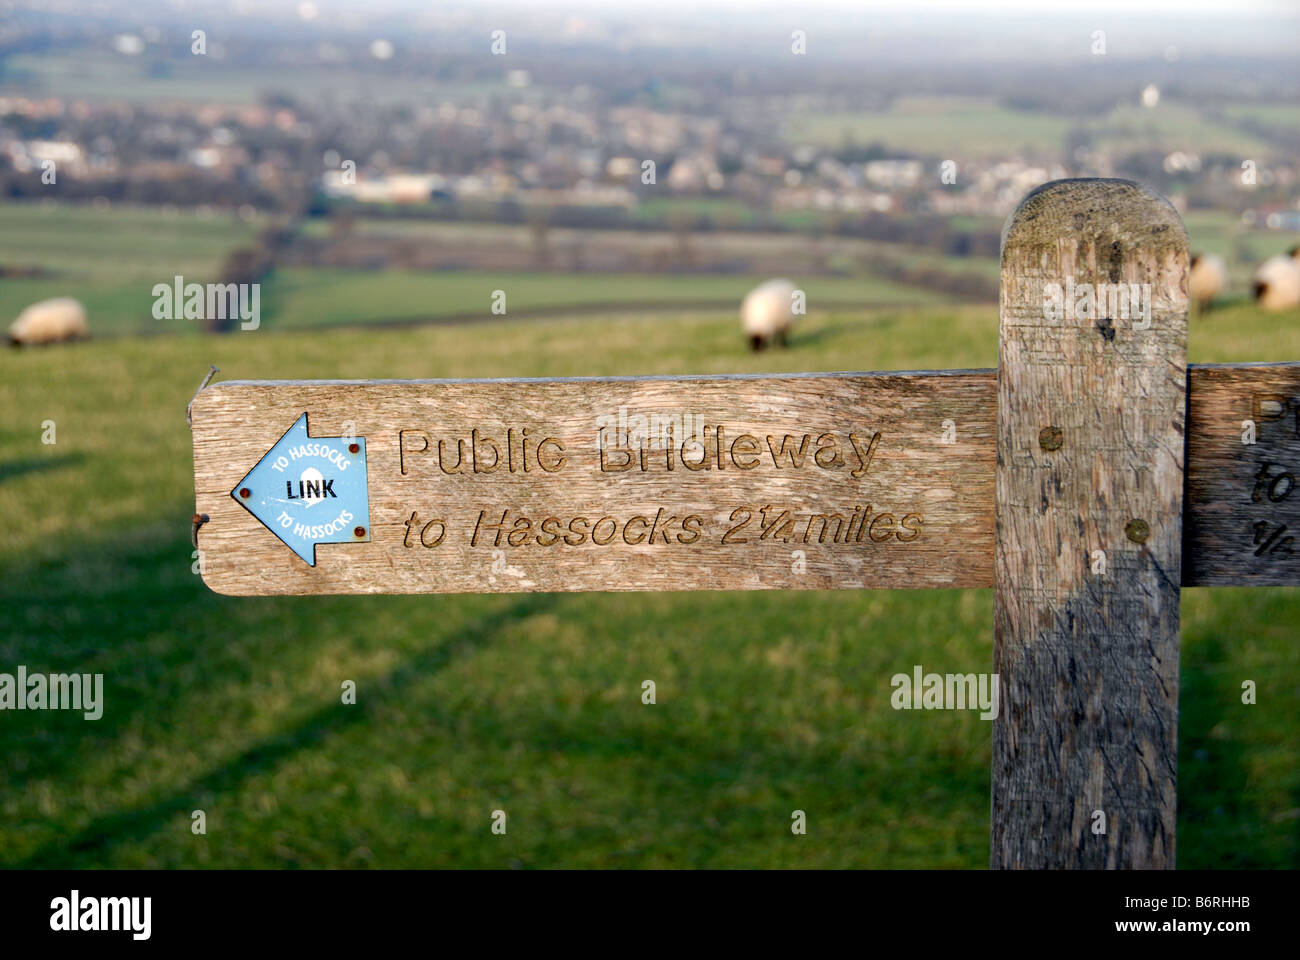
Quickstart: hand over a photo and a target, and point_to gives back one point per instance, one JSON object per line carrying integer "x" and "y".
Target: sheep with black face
{"x": 1208, "y": 278}
{"x": 1276, "y": 283}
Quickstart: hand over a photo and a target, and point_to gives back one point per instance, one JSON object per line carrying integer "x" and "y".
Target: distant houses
{"x": 417, "y": 188}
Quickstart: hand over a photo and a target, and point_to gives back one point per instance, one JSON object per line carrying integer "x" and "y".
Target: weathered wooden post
{"x": 1092, "y": 376}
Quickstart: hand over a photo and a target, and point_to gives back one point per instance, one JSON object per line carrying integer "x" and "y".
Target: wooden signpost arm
{"x": 1088, "y": 528}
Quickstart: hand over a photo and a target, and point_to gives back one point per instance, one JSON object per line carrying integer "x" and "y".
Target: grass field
{"x": 110, "y": 258}
{"x": 118, "y": 242}
{"x": 315, "y": 298}
{"x": 947, "y": 126}
{"x": 95, "y": 74}
{"x": 1243, "y": 248}
{"x": 964, "y": 127}
{"x": 766, "y": 702}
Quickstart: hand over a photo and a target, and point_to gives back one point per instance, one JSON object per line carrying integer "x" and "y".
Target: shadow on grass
{"x": 807, "y": 338}
{"x": 126, "y": 826}
{"x": 1222, "y": 822}
{"x": 16, "y": 468}
{"x": 130, "y": 608}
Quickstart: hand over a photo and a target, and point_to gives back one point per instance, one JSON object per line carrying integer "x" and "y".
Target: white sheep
{"x": 767, "y": 313}
{"x": 1277, "y": 283}
{"x": 1208, "y": 278}
{"x": 50, "y": 321}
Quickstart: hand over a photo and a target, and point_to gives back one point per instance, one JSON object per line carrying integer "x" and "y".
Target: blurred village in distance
{"x": 354, "y": 144}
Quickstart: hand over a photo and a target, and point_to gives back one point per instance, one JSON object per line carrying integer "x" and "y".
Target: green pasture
{"x": 310, "y": 297}
{"x": 160, "y": 74}
{"x": 110, "y": 258}
{"x": 119, "y": 242}
{"x": 1174, "y": 125}
{"x": 531, "y": 704}
{"x": 954, "y": 126}
{"x": 1243, "y": 248}
{"x": 943, "y": 126}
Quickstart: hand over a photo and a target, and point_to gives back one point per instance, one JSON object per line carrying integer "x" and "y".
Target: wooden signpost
{"x": 1086, "y": 480}
{"x": 1087, "y": 547}
{"x": 619, "y": 484}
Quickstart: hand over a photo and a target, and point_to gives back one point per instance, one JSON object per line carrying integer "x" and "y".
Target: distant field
{"x": 319, "y": 297}
{"x": 946, "y": 126}
{"x": 1243, "y": 248}
{"x": 1277, "y": 116}
{"x": 1175, "y": 126}
{"x": 766, "y": 702}
{"x": 111, "y": 258}
{"x": 977, "y": 127}
{"x": 97, "y": 74}
{"x": 722, "y": 210}
{"x": 118, "y": 242}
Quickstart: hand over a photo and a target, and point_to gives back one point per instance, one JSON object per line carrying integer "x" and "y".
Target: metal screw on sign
{"x": 1137, "y": 531}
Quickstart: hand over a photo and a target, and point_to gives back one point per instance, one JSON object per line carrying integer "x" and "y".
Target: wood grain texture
{"x": 1242, "y": 517}
{"x": 239, "y": 421}
{"x": 820, "y": 481}
{"x": 1088, "y": 659}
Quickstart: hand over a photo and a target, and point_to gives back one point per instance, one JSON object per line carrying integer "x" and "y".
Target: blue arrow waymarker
{"x": 310, "y": 490}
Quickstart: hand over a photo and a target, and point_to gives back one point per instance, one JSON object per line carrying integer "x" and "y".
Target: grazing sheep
{"x": 50, "y": 321}
{"x": 1277, "y": 284}
{"x": 767, "y": 313}
{"x": 1208, "y": 278}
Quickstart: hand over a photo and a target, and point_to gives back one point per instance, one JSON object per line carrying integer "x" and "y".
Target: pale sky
{"x": 1136, "y": 8}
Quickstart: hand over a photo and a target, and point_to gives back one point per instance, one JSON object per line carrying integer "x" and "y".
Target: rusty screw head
{"x": 1137, "y": 531}
{"x": 1049, "y": 438}
{"x": 359, "y": 532}
{"x": 354, "y": 448}
{"x": 245, "y": 492}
